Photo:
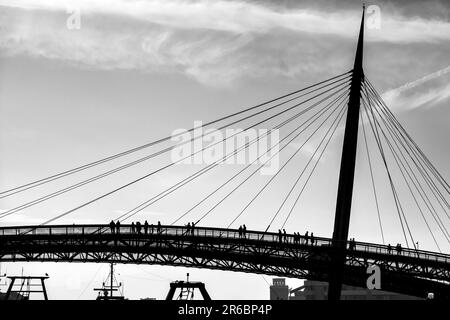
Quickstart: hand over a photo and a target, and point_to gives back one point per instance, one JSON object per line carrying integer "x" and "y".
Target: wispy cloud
{"x": 215, "y": 42}
{"x": 243, "y": 16}
{"x": 425, "y": 91}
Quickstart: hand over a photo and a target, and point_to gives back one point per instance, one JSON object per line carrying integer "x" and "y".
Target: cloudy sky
{"x": 75, "y": 88}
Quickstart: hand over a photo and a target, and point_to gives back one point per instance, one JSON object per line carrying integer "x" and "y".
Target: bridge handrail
{"x": 215, "y": 232}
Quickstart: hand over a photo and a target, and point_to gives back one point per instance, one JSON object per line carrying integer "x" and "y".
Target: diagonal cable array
{"x": 372, "y": 179}
{"x": 321, "y": 106}
{"x": 418, "y": 157}
{"x": 292, "y": 95}
{"x": 315, "y": 94}
{"x": 376, "y": 134}
{"x": 337, "y": 89}
{"x": 304, "y": 126}
{"x": 325, "y": 139}
{"x": 282, "y": 167}
{"x": 426, "y": 187}
{"x": 407, "y": 179}
{"x": 271, "y": 179}
{"x": 183, "y": 182}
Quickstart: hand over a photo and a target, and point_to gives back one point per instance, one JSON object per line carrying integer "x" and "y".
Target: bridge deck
{"x": 209, "y": 232}
{"x": 415, "y": 272}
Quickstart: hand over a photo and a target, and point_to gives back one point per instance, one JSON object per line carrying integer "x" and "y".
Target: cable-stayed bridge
{"x": 315, "y": 112}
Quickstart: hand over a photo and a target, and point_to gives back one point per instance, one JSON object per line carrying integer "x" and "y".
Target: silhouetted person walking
{"x": 146, "y": 227}
{"x": 188, "y": 228}
{"x": 118, "y": 226}
{"x": 351, "y": 244}
{"x": 138, "y": 227}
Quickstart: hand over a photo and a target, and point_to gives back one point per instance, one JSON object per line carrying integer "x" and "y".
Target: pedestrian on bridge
{"x": 146, "y": 227}
{"x": 138, "y": 227}
{"x": 284, "y": 235}
{"x": 351, "y": 244}
{"x": 389, "y": 248}
{"x": 112, "y": 226}
{"x": 306, "y": 237}
{"x": 188, "y": 228}
{"x": 133, "y": 227}
{"x": 296, "y": 237}
{"x": 244, "y": 231}
{"x": 399, "y": 248}
{"x": 118, "y": 226}
{"x": 192, "y": 227}
{"x": 280, "y": 236}
{"x": 312, "y": 238}
{"x": 158, "y": 229}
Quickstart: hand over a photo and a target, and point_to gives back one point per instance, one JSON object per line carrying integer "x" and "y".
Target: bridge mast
{"x": 346, "y": 175}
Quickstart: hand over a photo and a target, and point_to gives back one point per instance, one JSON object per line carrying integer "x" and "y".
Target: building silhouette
{"x": 317, "y": 290}
{"x": 279, "y": 290}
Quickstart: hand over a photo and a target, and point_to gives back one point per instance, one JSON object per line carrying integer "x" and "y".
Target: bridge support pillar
{"x": 346, "y": 175}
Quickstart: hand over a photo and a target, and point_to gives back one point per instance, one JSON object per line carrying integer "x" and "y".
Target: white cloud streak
{"x": 242, "y": 16}
{"x": 404, "y": 97}
{"x": 214, "y": 42}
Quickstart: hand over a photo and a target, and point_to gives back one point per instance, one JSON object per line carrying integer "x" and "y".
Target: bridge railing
{"x": 217, "y": 233}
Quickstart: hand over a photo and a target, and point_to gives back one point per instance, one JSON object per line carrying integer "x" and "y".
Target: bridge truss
{"x": 409, "y": 271}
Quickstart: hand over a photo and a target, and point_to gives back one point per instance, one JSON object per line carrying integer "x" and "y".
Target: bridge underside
{"x": 399, "y": 273}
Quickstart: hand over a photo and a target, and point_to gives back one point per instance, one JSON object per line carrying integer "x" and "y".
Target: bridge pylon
{"x": 346, "y": 174}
